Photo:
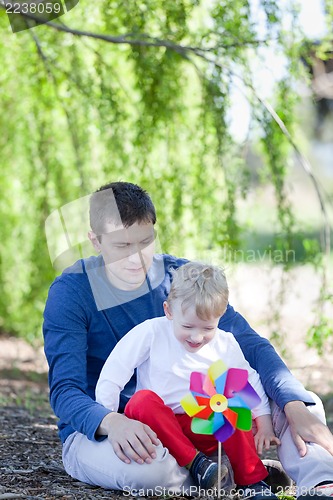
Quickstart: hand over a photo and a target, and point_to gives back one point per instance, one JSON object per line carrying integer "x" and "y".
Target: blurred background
{"x": 222, "y": 110}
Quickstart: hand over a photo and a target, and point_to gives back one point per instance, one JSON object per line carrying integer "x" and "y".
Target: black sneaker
{"x": 258, "y": 491}
{"x": 277, "y": 479}
{"x": 205, "y": 472}
{"x": 323, "y": 489}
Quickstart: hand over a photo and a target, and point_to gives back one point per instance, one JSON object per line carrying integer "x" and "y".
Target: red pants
{"x": 174, "y": 432}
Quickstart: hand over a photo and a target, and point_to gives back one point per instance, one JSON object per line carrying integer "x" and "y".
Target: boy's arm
{"x": 130, "y": 439}
{"x": 264, "y": 436}
{"x": 130, "y": 352}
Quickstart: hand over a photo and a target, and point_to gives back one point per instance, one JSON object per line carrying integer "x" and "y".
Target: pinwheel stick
{"x": 219, "y": 459}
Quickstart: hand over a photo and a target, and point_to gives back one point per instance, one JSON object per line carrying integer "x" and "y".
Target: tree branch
{"x": 144, "y": 40}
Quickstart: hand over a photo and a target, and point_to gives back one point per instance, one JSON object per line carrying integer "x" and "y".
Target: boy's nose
{"x": 196, "y": 337}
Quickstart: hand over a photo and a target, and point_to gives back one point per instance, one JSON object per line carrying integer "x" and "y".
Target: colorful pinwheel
{"x": 221, "y": 401}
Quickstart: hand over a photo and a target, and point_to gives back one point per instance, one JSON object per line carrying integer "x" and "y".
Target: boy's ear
{"x": 94, "y": 240}
{"x": 167, "y": 310}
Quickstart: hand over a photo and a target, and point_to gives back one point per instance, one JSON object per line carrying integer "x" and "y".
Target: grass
{"x": 24, "y": 389}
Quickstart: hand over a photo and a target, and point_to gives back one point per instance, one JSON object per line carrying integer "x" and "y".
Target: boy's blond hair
{"x": 200, "y": 285}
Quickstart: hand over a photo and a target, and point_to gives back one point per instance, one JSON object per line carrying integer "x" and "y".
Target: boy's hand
{"x": 265, "y": 435}
{"x": 130, "y": 439}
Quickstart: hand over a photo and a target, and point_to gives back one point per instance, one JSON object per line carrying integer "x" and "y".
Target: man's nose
{"x": 135, "y": 257}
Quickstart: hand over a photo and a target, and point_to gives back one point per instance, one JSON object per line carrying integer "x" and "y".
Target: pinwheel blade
{"x": 208, "y": 386}
{"x": 216, "y": 369}
{"x": 244, "y": 420}
{"x": 236, "y": 381}
{"x": 205, "y": 413}
{"x": 220, "y": 383}
{"x": 231, "y": 416}
{"x": 196, "y": 382}
{"x": 218, "y": 421}
{"x": 237, "y": 402}
{"x": 249, "y": 396}
{"x": 190, "y": 405}
{"x": 199, "y": 426}
{"x": 203, "y": 401}
{"x": 224, "y": 432}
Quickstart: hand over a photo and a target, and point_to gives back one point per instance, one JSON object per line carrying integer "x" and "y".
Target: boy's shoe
{"x": 258, "y": 491}
{"x": 205, "y": 472}
{"x": 277, "y": 479}
{"x": 322, "y": 490}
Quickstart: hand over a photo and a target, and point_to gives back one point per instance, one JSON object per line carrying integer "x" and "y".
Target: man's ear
{"x": 94, "y": 240}
{"x": 167, "y": 310}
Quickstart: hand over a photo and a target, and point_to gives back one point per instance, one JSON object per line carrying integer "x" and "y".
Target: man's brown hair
{"x": 121, "y": 203}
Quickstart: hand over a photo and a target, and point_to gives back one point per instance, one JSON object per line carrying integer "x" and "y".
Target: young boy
{"x": 165, "y": 350}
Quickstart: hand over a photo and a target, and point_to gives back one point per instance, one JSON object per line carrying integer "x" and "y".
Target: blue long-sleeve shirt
{"x": 84, "y": 318}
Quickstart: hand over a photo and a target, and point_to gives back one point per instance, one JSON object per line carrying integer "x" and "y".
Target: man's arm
{"x": 65, "y": 344}
{"x": 279, "y": 384}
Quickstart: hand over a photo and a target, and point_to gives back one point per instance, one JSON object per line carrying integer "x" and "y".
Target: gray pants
{"x": 96, "y": 463}
{"x": 316, "y": 465}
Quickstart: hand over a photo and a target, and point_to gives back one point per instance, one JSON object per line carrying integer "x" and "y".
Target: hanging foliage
{"x": 137, "y": 91}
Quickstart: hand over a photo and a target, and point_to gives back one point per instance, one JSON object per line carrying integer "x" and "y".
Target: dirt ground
{"x": 30, "y": 451}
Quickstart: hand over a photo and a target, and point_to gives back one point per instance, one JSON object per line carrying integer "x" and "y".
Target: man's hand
{"x": 307, "y": 428}
{"x": 130, "y": 439}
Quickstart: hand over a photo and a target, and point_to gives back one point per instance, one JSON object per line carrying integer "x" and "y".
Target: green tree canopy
{"x": 139, "y": 91}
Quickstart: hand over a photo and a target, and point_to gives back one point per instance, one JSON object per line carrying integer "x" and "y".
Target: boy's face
{"x": 190, "y": 330}
{"x": 127, "y": 252}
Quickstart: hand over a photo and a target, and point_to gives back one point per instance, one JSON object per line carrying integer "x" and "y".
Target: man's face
{"x": 127, "y": 252}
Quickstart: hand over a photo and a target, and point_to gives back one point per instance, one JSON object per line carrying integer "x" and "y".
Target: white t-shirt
{"x": 164, "y": 365}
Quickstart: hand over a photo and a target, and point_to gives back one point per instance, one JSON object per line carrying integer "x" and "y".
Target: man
{"x": 96, "y": 302}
